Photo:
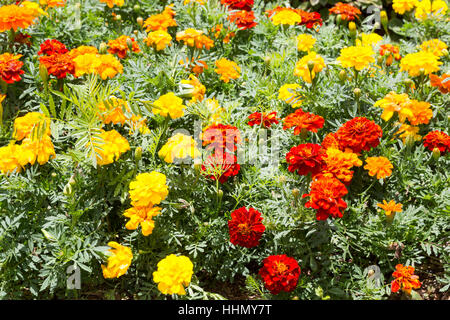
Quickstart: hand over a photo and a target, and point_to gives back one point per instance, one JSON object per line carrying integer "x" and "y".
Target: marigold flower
{"x": 370, "y": 39}
{"x": 394, "y": 102}
{"x": 179, "y": 146}
{"x": 142, "y": 216}
{"x": 18, "y": 16}
{"x": 195, "y": 38}
{"x": 52, "y": 46}
{"x": 227, "y": 69}
{"x": 160, "y": 21}
{"x": 10, "y": 67}
{"x": 286, "y": 17}
{"x": 111, "y": 3}
{"x": 148, "y": 189}
{"x": 173, "y": 274}
{"x": 120, "y": 47}
{"x": 40, "y": 149}
{"x": 406, "y": 131}
{"x": 111, "y": 146}
{"x": 113, "y": 111}
{"x": 288, "y": 93}
{"x": 437, "y": 139}
{"x": 338, "y": 163}
{"x": 402, "y": 6}
{"x": 390, "y": 207}
{"x": 118, "y": 262}
{"x": 221, "y": 166}
{"x": 331, "y": 141}
{"x": 243, "y": 19}
{"x": 347, "y": 11}
{"x": 379, "y": 166}
{"x": 82, "y": 50}
{"x": 52, "y": 3}
{"x": 158, "y": 39}
{"x": 359, "y": 134}
{"x": 306, "y": 158}
{"x": 357, "y": 57}
{"x": 435, "y": 46}
{"x": 302, "y": 69}
{"x": 197, "y": 91}
{"x": 405, "y": 279}
{"x": 105, "y": 65}
{"x": 221, "y": 137}
{"x": 280, "y": 273}
{"x": 8, "y": 159}
{"x": 200, "y": 2}
{"x": 213, "y": 112}
{"x": 266, "y": 119}
{"x": 58, "y": 65}
{"x": 421, "y": 112}
{"x": 305, "y": 42}
{"x": 238, "y": 4}
{"x": 418, "y": 63}
{"x": 169, "y": 104}
{"x": 442, "y": 83}
{"x": 23, "y": 126}
{"x": 426, "y": 9}
{"x": 326, "y": 197}
{"x": 245, "y": 227}
{"x": 390, "y": 52}
{"x": 303, "y": 121}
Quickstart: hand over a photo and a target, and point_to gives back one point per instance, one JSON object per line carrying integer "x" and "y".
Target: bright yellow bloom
{"x": 173, "y": 274}
{"x": 402, "y": 6}
{"x": 197, "y": 90}
{"x": 421, "y": 111}
{"x": 111, "y": 146}
{"x": 370, "y": 39}
{"x": 406, "y": 131}
{"x": 286, "y": 17}
{"x": 41, "y": 150}
{"x": 357, "y": 57}
{"x": 380, "y": 166}
{"x": 426, "y": 9}
{"x": 158, "y": 39}
{"x": 305, "y": 42}
{"x": 109, "y": 66}
{"x": 142, "y": 216}
{"x": 118, "y": 262}
{"x": 420, "y": 62}
{"x": 179, "y": 146}
{"x": 390, "y": 207}
{"x": 213, "y": 111}
{"x": 435, "y": 46}
{"x": 169, "y": 104}
{"x": 8, "y": 158}
{"x": 148, "y": 189}
{"x": 23, "y": 126}
{"x": 111, "y": 3}
{"x": 161, "y": 21}
{"x": 394, "y": 102}
{"x": 227, "y": 69}
{"x": 113, "y": 111}
{"x": 200, "y": 2}
{"x": 302, "y": 69}
{"x": 82, "y": 50}
{"x": 52, "y": 3}
{"x": 105, "y": 65}
{"x": 288, "y": 93}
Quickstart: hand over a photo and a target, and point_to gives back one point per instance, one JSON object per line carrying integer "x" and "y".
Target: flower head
{"x": 302, "y": 68}
{"x": 243, "y": 19}
{"x": 359, "y": 134}
{"x": 288, "y": 17}
{"x": 120, "y": 46}
{"x": 245, "y": 227}
{"x": 379, "y": 166}
{"x": 435, "y": 46}
{"x": 118, "y": 262}
{"x": 10, "y": 67}
{"x": 195, "y": 38}
{"x": 288, "y": 93}
{"x": 306, "y": 158}
{"x": 402, "y": 6}
{"x": 347, "y": 11}
{"x": 238, "y": 4}
{"x": 23, "y": 126}
{"x": 179, "y": 146}
{"x": 227, "y": 69}
{"x": 422, "y": 62}
{"x": 303, "y": 121}
{"x": 405, "y": 279}
{"x": 221, "y": 166}
{"x": 148, "y": 189}
{"x": 58, "y": 65}
{"x": 19, "y": 16}
{"x": 442, "y": 82}
{"x": 390, "y": 207}
{"x": 158, "y": 39}
{"x": 280, "y": 273}
{"x": 266, "y": 119}
{"x": 173, "y": 274}
{"x": 142, "y": 216}
{"x": 437, "y": 139}
{"x": 111, "y": 146}
{"x": 52, "y": 46}
{"x": 358, "y": 57}
{"x": 305, "y": 42}
{"x": 169, "y": 104}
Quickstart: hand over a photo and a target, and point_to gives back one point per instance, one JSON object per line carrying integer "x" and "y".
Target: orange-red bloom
{"x": 266, "y": 119}
{"x": 243, "y": 19}
{"x": 10, "y": 67}
{"x": 221, "y": 137}
{"x": 442, "y": 82}
{"x": 302, "y": 120}
{"x": 405, "y": 279}
{"x": 52, "y": 46}
{"x": 120, "y": 46}
{"x": 306, "y": 158}
{"x": 437, "y": 139}
{"x": 280, "y": 273}
{"x": 359, "y": 134}
{"x": 238, "y": 4}
{"x": 58, "y": 65}
{"x": 390, "y": 52}
{"x": 347, "y": 11}
{"x": 221, "y": 166}
{"x": 245, "y": 227}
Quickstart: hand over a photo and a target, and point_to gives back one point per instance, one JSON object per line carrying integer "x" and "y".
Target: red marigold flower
{"x": 52, "y": 46}
{"x": 10, "y": 67}
{"x": 405, "y": 279}
{"x": 359, "y": 134}
{"x": 331, "y": 141}
{"x": 310, "y": 19}
{"x": 347, "y": 11}
{"x": 256, "y": 118}
{"x": 442, "y": 83}
{"x": 221, "y": 165}
{"x": 58, "y": 65}
{"x": 302, "y": 120}
{"x": 280, "y": 273}
{"x": 23, "y": 38}
{"x": 437, "y": 139}
{"x": 239, "y": 4}
{"x": 221, "y": 137}
{"x": 306, "y": 158}
{"x": 245, "y": 227}
{"x": 243, "y": 19}
{"x": 326, "y": 197}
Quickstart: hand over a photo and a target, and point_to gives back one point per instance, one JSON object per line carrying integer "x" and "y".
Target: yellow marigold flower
{"x": 158, "y": 39}
{"x": 82, "y": 50}
{"x": 302, "y": 69}
{"x": 41, "y": 150}
{"x": 200, "y": 2}
{"x": 435, "y": 46}
{"x": 109, "y": 66}
{"x": 173, "y": 274}
{"x": 197, "y": 90}
{"x": 136, "y": 122}
{"x": 406, "y": 131}
{"x": 86, "y": 63}
{"x": 420, "y": 62}
{"x": 286, "y": 17}
{"x": 394, "y": 102}
{"x": 8, "y": 159}
{"x": 213, "y": 111}
{"x": 169, "y": 104}
{"x": 23, "y": 126}
{"x": 118, "y": 262}
{"x": 402, "y": 6}
{"x": 111, "y": 146}
{"x": 357, "y": 57}
{"x": 305, "y": 42}
{"x": 339, "y": 163}
{"x": 148, "y": 189}
{"x": 113, "y": 111}
{"x": 18, "y": 16}
{"x": 111, "y": 3}
{"x": 370, "y": 39}
{"x": 52, "y": 3}
{"x": 161, "y": 21}
{"x": 421, "y": 111}
{"x": 142, "y": 216}
{"x": 179, "y": 146}
{"x": 195, "y": 38}
{"x": 426, "y": 9}
{"x": 227, "y": 69}
{"x": 288, "y": 93}
{"x": 380, "y": 166}
{"x": 390, "y": 207}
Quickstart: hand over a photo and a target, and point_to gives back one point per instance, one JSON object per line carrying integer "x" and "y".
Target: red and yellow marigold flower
{"x": 243, "y": 19}
{"x": 280, "y": 273}
{"x": 331, "y": 141}
{"x": 338, "y": 163}
{"x": 227, "y": 69}
{"x": 306, "y": 158}
{"x": 59, "y": 65}
{"x": 174, "y": 273}
{"x": 437, "y": 139}
{"x": 52, "y": 46}
{"x": 10, "y": 67}
{"x": 120, "y": 46}
{"x": 264, "y": 119}
{"x": 359, "y": 134}
{"x": 245, "y": 227}
{"x": 118, "y": 262}
{"x": 347, "y": 11}
{"x": 142, "y": 216}
{"x": 379, "y": 166}
{"x": 303, "y": 121}
{"x": 405, "y": 279}
{"x": 390, "y": 52}
{"x": 148, "y": 189}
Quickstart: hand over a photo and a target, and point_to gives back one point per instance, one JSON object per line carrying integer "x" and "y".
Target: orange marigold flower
{"x": 390, "y": 207}
{"x": 437, "y": 139}
{"x": 303, "y": 121}
{"x": 347, "y": 11}
{"x": 52, "y": 3}
{"x": 442, "y": 82}
{"x": 359, "y": 134}
{"x": 196, "y": 67}
{"x": 331, "y": 141}
{"x": 113, "y": 111}
{"x": 111, "y": 3}
{"x": 306, "y": 158}
{"x": 10, "y": 67}
{"x": 161, "y": 21}
{"x": 421, "y": 111}
{"x": 120, "y": 46}
{"x": 326, "y": 197}
{"x": 8, "y": 159}
{"x": 405, "y": 279}
{"x": 227, "y": 69}
{"x": 58, "y": 65}
{"x": 380, "y": 166}
{"x": 195, "y": 38}
{"x": 266, "y": 119}
{"x": 339, "y": 163}
{"x": 243, "y": 19}
{"x": 18, "y": 16}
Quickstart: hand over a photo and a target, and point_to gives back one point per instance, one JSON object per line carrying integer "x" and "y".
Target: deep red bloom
{"x": 437, "y": 139}
{"x": 243, "y": 19}
{"x": 303, "y": 121}
{"x": 221, "y": 165}
{"x": 326, "y": 193}
{"x": 256, "y": 118}
{"x": 10, "y": 67}
{"x": 51, "y": 46}
{"x": 239, "y": 4}
{"x": 347, "y": 11}
{"x": 359, "y": 134}
{"x": 221, "y": 137}
{"x": 245, "y": 227}
{"x": 280, "y": 273}
{"x": 58, "y": 65}
{"x": 306, "y": 158}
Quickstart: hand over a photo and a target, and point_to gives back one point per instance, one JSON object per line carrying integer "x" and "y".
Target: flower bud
{"x": 138, "y": 154}
{"x": 408, "y": 82}
{"x": 295, "y": 192}
{"x": 310, "y": 65}
{"x": 136, "y": 8}
{"x": 267, "y": 60}
{"x": 338, "y": 19}
{"x": 444, "y": 52}
{"x": 130, "y": 44}
{"x": 103, "y": 48}
{"x": 220, "y": 194}
{"x": 118, "y": 17}
{"x": 68, "y": 190}
{"x": 140, "y": 21}
{"x": 135, "y": 32}
{"x": 436, "y": 153}
{"x": 352, "y": 29}
{"x": 384, "y": 18}
{"x": 43, "y": 72}
{"x": 380, "y": 59}
{"x": 357, "y": 93}
{"x": 282, "y": 179}
{"x": 409, "y": 140}
{"x": 54, "y": 175}
{"x": 342, "y": 75}
{"x": 72, "y": 180}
